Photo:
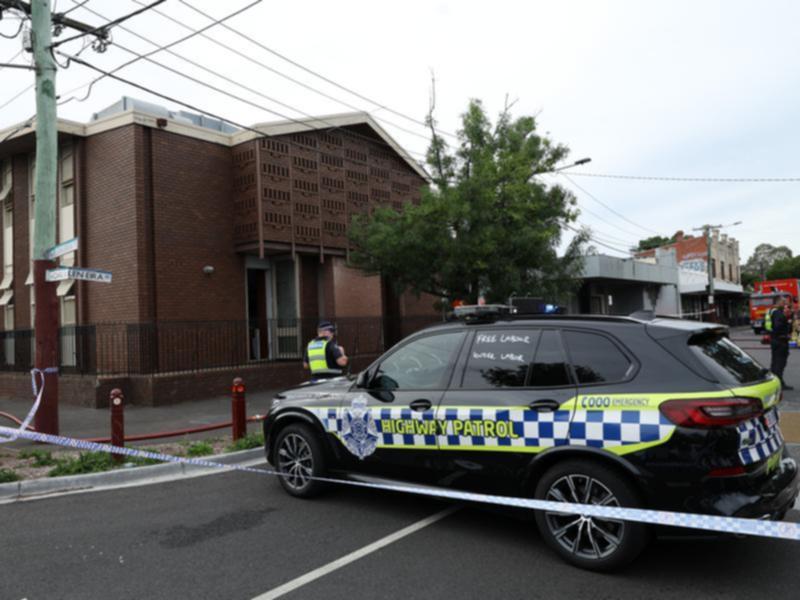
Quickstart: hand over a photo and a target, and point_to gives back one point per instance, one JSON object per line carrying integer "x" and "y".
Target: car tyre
{"x": 299, "y": 458}
{"x": 590, "y": 543}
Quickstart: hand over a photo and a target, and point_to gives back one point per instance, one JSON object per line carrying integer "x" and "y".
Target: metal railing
{"x": 187, "y": 346}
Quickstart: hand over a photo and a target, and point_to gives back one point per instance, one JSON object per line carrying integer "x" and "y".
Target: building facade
{"x": 692, "y": 256}
{"x": 226, "y": 246}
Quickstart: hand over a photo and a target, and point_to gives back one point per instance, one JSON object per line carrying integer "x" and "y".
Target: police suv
{"x": 617, "y": 411}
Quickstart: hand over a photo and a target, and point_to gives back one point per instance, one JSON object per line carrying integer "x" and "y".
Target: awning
{"x": 7, "y": 279}
{"x": 29, "y": 278}
{"x": 64, "y": 287}
{"x": 5, "y": 299}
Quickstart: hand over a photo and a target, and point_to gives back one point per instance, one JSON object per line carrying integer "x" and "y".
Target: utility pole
{"x": 706, "y": 229}
{"x": 45, "y": 323}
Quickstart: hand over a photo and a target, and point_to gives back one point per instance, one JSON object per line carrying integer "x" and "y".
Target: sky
{"x": 676, "y": 89}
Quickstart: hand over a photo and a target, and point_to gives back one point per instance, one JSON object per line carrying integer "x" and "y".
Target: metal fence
{"x": 186, "y": 346}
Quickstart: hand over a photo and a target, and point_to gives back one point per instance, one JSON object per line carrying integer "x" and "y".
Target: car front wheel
{"x": 299, "y": 458}
{"x": 590, "y": 542}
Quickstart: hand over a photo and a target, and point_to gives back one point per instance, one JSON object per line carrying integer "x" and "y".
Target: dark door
{"x": 401, "y": 398}
{"x": 513, "y": 399}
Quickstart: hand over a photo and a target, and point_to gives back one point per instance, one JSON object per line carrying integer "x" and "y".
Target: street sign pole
{"x": 45, "y": 323}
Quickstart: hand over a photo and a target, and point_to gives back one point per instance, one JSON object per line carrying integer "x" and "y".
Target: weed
{"x": 199, "y": 449}
{"x": 251, "y": 440}
{"x": 8, "y": 475}
{"x": 85, "y": 462}
{"x": 41, "y": 458}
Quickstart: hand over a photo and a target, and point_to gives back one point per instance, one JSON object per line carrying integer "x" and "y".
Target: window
{"x": 730, "y": 272}
{"x": 713, "y": 267}
{"x": 500, "y": 359}
{"x": 722, "y": 269}
{"x": 422, "y": 364}
{"x": 8, "y": 338}
{"x": 6, "y": 183}
{"x": 66, "y": 203}
{"x": 549, "y": 366}
{"x": 595, "y": 358}
{"x": 729, "y": 363}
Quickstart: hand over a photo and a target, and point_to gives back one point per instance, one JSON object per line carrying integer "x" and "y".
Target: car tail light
{"x": 727, "y": 472}
{"x": 711, "y": 412}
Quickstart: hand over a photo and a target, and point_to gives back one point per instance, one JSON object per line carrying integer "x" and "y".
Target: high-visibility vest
{"x": 317, "y": 357}
{"x": 768, "y": 320}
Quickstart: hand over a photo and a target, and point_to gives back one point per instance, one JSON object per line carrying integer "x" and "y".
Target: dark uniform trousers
{"x": 780, "y": 354}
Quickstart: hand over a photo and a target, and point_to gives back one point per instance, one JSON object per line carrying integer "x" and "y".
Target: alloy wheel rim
{"x": 586, "y": 537}
{"x": 295, "y": 461}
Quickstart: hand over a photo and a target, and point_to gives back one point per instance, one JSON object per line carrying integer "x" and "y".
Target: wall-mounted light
{"x": 208, "y": 269}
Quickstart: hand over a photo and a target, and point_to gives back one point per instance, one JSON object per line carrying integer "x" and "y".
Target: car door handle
{"x": 544, "y": 405}
{"x": 420, "y": 405}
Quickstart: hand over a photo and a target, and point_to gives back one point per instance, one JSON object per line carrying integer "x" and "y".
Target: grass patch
{"x": 199, "y": 449}
{"x": 143, "y": 462}
{"x": 85, "y": 462}
{"x": 251, "y": 440}
{"x": 41, "y": 458}
{"x": 8, "y": 475}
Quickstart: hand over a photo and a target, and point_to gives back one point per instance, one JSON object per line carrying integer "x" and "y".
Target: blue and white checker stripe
{"x": 533, "y": 429}
{"x": 610, "y": 428}
{"x": 757, "y": 441}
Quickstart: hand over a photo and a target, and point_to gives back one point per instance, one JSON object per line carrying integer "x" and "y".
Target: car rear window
{"x": 595, "y": 358}
{"x": 729, "y": 363}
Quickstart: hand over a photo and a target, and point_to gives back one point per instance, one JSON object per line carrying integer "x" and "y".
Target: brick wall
{"x": 192, "y": 195}
{"x": 112, "y": 221}
{"x": 22, "y": 292}
{"x": 356, "y": 294}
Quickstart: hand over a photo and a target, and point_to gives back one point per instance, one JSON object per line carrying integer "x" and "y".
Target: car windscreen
{"x": 729, "y": 363}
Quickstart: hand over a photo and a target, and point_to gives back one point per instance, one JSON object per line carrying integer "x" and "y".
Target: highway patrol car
{"x": 619, "y": 411}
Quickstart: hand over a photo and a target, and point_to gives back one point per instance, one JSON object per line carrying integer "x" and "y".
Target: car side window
{"x": 595, "y": 358}
{"x": 549, "y": 367}
{"x": 499, "y": 359}
{"x": 423, "y": 364}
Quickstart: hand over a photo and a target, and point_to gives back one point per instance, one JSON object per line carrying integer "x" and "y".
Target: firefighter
{"x": 780, "y": 328}
{"x": 323, "y": 356}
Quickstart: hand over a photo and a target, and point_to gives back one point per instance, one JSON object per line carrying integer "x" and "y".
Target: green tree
{"x": 785, "y": 268}
{"x": 487, "y": 226}
{"x": 763, "y": 258}
{"x": 654, "y": 242}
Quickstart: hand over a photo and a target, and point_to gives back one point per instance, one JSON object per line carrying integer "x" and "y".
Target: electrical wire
{"x": 279, "y": 73}
{"x": 606, "y": 206}
{"x": 17, "y": 95}
{"x": 78, "y": 4}
{"x": 188, "y": 105}
{"x": 107, "y": 27}
{"x": 19, "y": 30}
{"x": 596, "y": 241}
{"x": 691, "y": 179}
{"x": 320, "y": 76}
{"x": 216, "y": 74}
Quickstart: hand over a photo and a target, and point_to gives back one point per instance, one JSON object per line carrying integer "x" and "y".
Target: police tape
{"x": 38, "y": 391}
{"x": 732, "y": 525}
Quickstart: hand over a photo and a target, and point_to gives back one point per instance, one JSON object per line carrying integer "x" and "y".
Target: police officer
{"x": 323, "y": 356}
{"x": 779, "y": 326}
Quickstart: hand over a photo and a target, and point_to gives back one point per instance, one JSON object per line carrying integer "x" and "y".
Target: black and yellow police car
{"x": 618, "y": 411}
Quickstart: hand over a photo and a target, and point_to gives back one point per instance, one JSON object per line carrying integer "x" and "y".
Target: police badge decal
{"x": 358, "y": 428}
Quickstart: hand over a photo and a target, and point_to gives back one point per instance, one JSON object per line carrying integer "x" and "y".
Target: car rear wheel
{"x": 590, "y": 542}
{"x": 299, "y": 458}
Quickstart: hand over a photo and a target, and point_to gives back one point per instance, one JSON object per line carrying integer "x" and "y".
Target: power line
{"x": 279, "y": 73}
{"x": 103, "y": 30}
{"x": 316, "y": 74}
{"x": 692, "y": 179}
{"x": 17, "y": 95}
{"x": 76, "y": 7}
{"x": 148, "y": 90}
{"x": 212, "y": 72}
{"x": 606, "y": 206}
{"x": 595, "y": 240}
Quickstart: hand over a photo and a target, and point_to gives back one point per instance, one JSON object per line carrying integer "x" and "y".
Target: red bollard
{"x": 238, "y": 409}
{"x": 117, "y": 422}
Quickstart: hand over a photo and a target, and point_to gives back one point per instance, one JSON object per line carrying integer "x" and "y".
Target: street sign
{"x": 63, "y": 273}
{"x": 62, "y": 249}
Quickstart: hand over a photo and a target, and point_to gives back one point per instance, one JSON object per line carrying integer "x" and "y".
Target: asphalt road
{"x": 238, "y": 536}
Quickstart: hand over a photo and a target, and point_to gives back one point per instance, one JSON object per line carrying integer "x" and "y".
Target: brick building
{"x": 691, "y": 253}
{"x": 226, "y": 247}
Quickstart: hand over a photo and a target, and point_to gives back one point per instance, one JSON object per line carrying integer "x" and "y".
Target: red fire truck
{"x": 763, "y": 297}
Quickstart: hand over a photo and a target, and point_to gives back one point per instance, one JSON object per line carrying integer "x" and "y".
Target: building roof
{"x": 128, "y": 111}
